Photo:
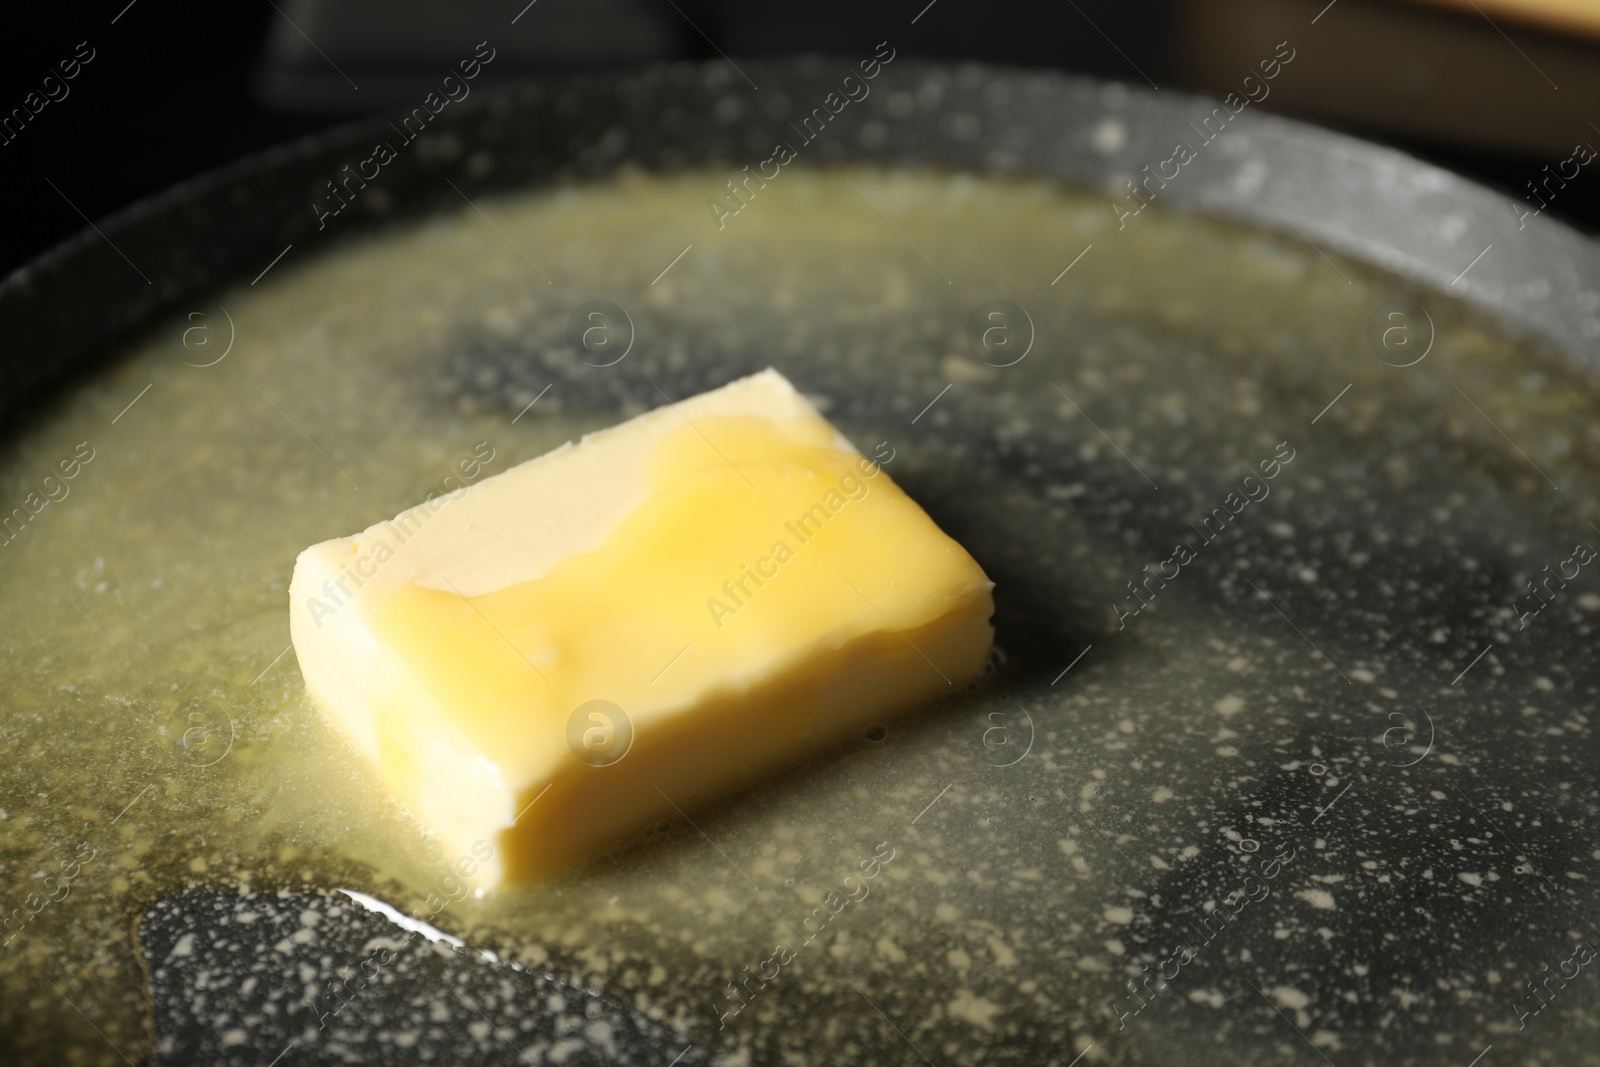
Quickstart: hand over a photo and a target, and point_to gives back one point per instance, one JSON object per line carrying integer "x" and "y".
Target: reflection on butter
{"x": 730, "y": 588}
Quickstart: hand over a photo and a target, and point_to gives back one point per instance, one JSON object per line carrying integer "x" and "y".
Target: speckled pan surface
{"x": 1320, "y": 788}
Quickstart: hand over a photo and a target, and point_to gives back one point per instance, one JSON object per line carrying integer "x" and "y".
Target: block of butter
{"x": 620, "y": 630}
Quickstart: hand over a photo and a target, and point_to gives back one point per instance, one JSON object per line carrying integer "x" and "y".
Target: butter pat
{"x": 623, "y": 629}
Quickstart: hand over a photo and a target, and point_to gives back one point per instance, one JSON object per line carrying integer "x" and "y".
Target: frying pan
{"x": 1435, "y": 973}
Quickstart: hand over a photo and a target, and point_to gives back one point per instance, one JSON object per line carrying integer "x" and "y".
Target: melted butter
{"x": 1196, "y": 345}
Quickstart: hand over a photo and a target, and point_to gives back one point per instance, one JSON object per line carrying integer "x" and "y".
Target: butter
{"x": 625, "y": 628}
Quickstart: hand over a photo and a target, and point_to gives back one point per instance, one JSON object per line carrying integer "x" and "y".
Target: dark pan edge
{"x": 1346, "y": 196}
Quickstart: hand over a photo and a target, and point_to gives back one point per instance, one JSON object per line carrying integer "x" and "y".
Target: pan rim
{"x": 42, "y": 302}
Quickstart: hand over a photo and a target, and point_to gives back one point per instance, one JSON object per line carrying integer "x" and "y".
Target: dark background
{"x": 174, "y": 90}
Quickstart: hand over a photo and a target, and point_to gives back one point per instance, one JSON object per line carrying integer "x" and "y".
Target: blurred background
{"x": 104, "y": 103}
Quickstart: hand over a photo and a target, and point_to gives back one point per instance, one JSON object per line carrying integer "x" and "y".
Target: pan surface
{"x": 1316, "y": 785}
